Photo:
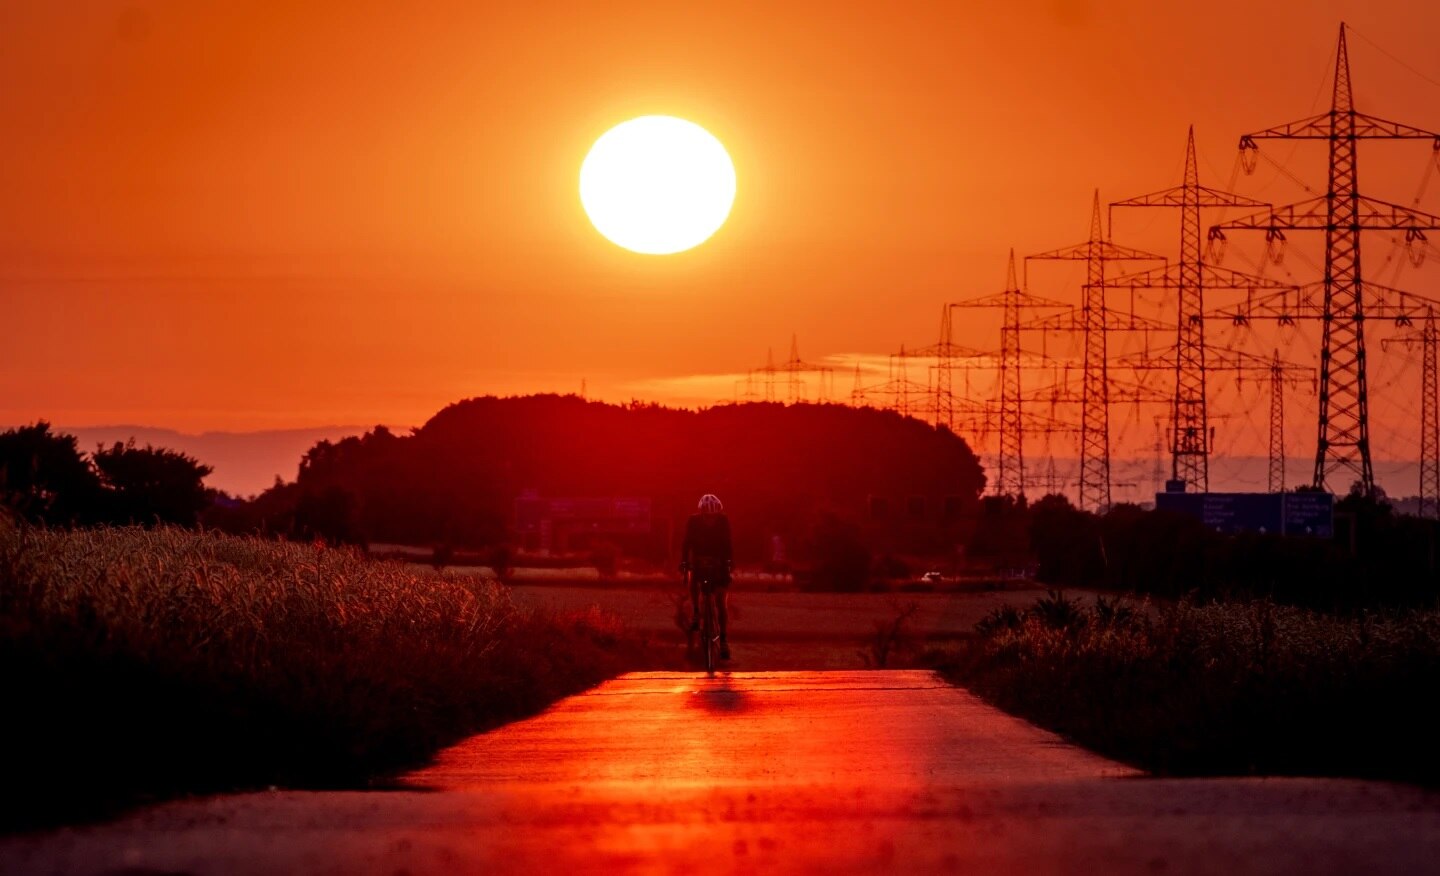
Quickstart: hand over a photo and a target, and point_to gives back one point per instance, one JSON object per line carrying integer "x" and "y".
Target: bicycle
{"x": 709, "y": 626}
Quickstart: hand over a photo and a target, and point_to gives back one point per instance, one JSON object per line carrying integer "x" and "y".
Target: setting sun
{"x": 657, "y": 185}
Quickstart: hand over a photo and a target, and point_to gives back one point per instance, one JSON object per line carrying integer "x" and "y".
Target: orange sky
{"x": 218, "y": 218}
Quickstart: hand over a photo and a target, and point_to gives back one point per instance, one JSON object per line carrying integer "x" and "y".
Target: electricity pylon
{"x": 857, "y": 392}
{"x": 1428, "y": 340}
{"x": 1275, "y": 479}
{"x": 1190, "y": 277}
{"x": 1281, "y": 374}
{"x": 789, "y": 373}
{"x": 944, "y": 352}
{"x": 1010, "y": 469}
{"x": 1225, "y": 360}
{"x": 1095, "y": 322}
{"x": 941, "y": 389}
{"x": 1343, "y": 442}
{"x": 897, "y": 390}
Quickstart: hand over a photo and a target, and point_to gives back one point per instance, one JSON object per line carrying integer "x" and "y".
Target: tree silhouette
{"x": 840, "y": 560}
{"x": 1067, "y": 542}
{"x": 45, "y": 479}
{"x": 149, "y": 485}
{"x": 328, "y": 515}
{"x": 455, "y": 479}
{"x": 1002, "y": 532}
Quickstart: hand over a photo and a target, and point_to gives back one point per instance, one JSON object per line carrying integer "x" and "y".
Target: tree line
{"x": 807, "y": 474}
{"x": 804, "y": 473}
{"x": 808, "y": 477}
{"x": 45, "y": 478}
{"x": 1378, "y": 556}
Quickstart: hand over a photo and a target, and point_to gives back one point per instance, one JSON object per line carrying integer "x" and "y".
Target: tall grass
{"x": 156, "y": 662}
{"x": 1238, "y": 688}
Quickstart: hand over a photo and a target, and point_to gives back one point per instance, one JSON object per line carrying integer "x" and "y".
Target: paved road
{"x": 770, "y": 772}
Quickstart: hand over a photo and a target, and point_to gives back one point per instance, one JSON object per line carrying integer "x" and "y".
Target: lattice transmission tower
{"x": 1275, "y": 477}
{"x": 946, "y": 353}
{"x": 791, "y": 375}
{"x": 1095, "y": 322}
{"x": 857, "y": 391}
{"x": 940, "y": 402}
{"x": 1428, "y": 340}
{"x": 1190, "y": 278}
{"x": 1343, "y": 442}
{"x": 1013, "y": 301}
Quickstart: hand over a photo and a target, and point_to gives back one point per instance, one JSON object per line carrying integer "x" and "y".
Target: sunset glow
{"x": 311, "y": 216}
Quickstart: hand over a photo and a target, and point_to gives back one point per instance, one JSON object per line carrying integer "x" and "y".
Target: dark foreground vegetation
{"x": 145, "y": 663}
{"x": 1218, "y": 689}
{"x": 1378, "y": 558}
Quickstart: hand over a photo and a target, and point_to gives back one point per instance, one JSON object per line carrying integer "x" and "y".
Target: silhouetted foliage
{"x": 1393, "y": 561}
{"x": 328, "y": 514}
{"x": 1218, "y": 688}
{"x": 1112, "y": 613}
{"x": 1058, "y": 611}
{"x": 153, "y": 662}
{"x": 45, "y": 479}
{"x": 777, "y": 467}
{"x": 272, "y": 513}
{"x": 1001, "y": 533}
{"x": 149, "y": 485}
{"x": 888, "y": 567}
{"x": 840, "y": 560}
{"x": 1001, "y": 617}
{"x": 1067, "y": 543}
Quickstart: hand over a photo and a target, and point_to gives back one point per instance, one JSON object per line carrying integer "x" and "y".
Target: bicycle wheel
{"x": 707, "y": 631}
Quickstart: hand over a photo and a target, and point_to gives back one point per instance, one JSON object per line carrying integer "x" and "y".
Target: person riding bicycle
{"x": 706, "y": 555}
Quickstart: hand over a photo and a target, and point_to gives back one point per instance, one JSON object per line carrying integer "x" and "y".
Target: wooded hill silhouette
{"x": 779, "y": 468}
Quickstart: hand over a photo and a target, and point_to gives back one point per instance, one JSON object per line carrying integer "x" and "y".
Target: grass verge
{"x": 1218, "y": 689}
{"x": 143, "y": 664}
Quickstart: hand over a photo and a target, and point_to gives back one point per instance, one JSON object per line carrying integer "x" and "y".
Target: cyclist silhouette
{"x": 706, "y": 555}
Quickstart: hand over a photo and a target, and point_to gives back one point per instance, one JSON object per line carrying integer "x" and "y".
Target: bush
{"x": 1058, "y": 612}
{"x": 1002, "y": 617}
{"x": 1113, "y": 613}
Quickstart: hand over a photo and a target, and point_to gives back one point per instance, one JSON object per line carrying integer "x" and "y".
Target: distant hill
{"x": 245, "y": 463}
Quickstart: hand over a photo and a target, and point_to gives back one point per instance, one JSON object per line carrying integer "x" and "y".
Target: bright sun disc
{"x": 657, "y": 185}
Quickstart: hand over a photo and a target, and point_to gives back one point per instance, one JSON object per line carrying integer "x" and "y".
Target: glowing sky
{"x": 240, "y": 215}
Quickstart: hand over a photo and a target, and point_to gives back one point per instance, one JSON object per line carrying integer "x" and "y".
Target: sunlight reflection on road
{"x": 896, "y": 729}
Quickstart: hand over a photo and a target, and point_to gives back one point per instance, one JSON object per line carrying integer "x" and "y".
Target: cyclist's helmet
{"x": 710, "y": 504}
